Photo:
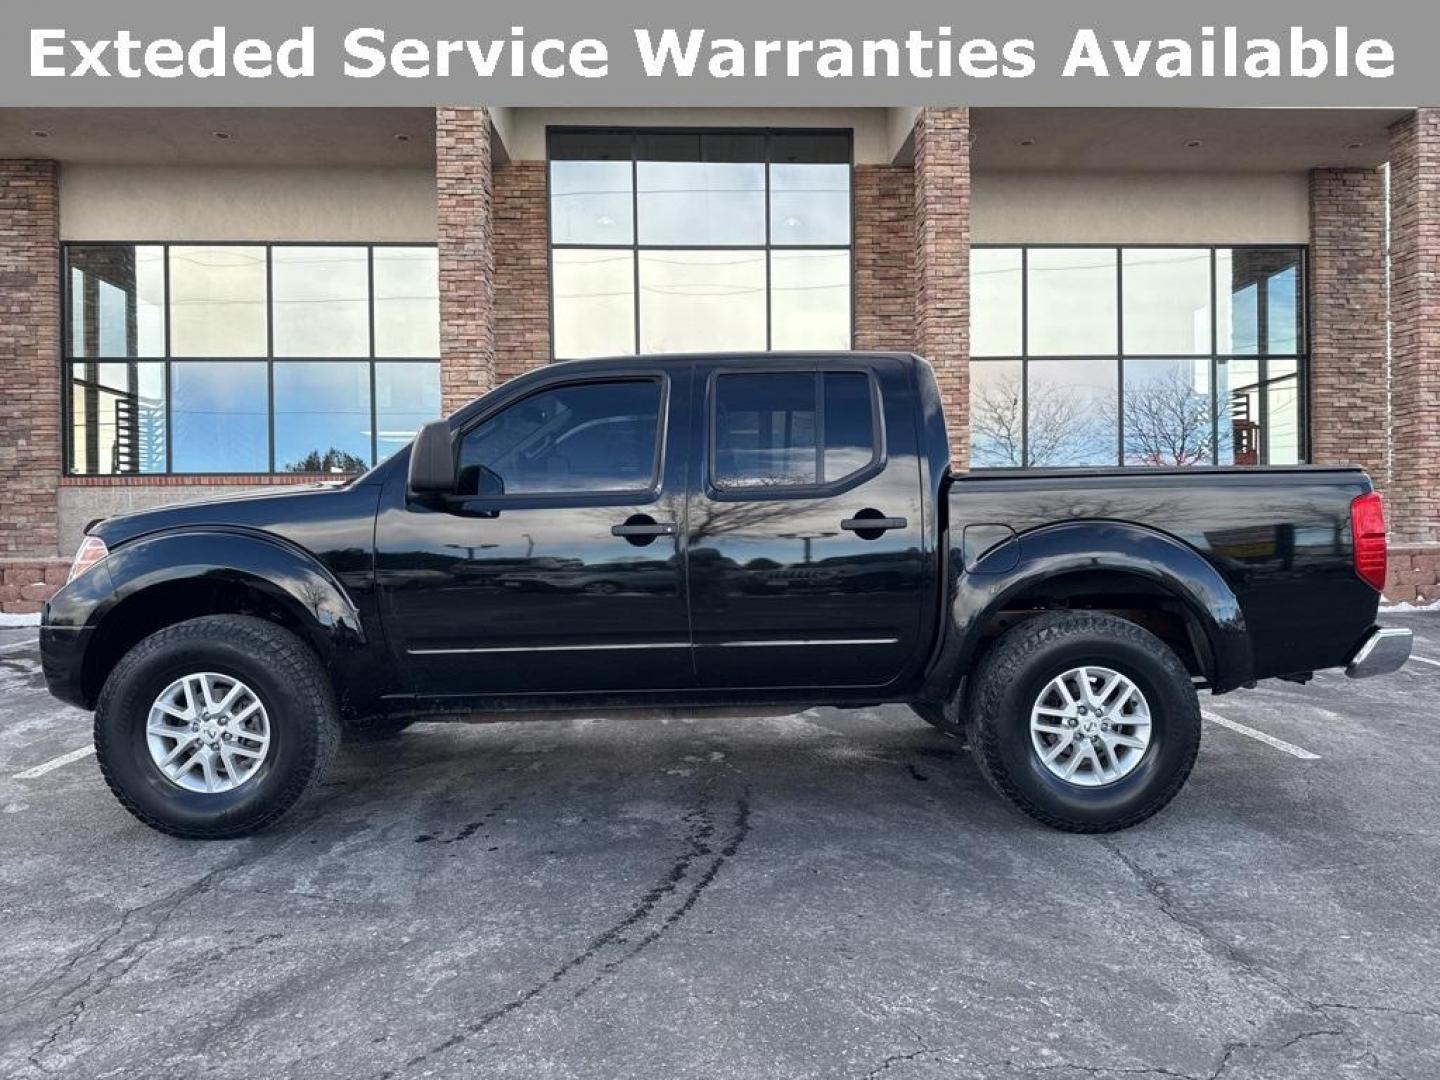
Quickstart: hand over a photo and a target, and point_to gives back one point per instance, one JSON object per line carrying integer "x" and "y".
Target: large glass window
{"x": 247, "y": 358}
{"x": 696, "y": 241}
{"x": 1155, "y": 356}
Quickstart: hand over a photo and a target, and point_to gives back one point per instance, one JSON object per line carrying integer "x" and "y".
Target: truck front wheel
{"x": 1084, "y": 721}
{"x": 215, "y": 727}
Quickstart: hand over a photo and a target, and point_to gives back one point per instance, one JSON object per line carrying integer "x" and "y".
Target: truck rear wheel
{"x": 215, "y": 727}
{"x": 1084, "y": 721}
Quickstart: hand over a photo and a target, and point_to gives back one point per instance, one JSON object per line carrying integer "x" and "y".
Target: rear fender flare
{"x": 1053, "y": 551}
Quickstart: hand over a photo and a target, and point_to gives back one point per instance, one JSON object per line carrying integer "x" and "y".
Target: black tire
{"x": 1013, "y": 675}
{"x": 374, "y": 729}
{"x": 283, "y": 672}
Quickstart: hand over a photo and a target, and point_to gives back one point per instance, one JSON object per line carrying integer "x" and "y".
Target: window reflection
{"x": 995, "y": 305}
{"x": 117, "y": 300}
{"x": 591, "y": 202}
{"x": 809, "y": 299}
{"x": 117, "y": 418}
{"x": 594, "y": 303}
{"x": 1260, "y": 308}
{"x": 322, "y": 417}
{"x": 1072, "y": 301}
{"x": 997, "y": 414}
{"x": 810, "y": 204}
{"x": 291, "y": 307}
{"x": 217, "y": 301}
{"x": 221, "y": 417}
{"x": 1167, "y": 412}
{"x": 1072, "y": 409}
{"x": 1166, "y": 300}
{"x": 320, "y": 299}
{"x": 694, "y": 301}
{"x": 739, "y": 240}
{"x": 1212, "y": 356}
{"x": 586, "y": 438}
{"x": 406, "y": 396}
{"x": 407, "y": 301}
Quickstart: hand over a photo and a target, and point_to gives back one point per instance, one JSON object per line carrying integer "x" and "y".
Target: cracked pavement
{"x": 832, "y": 894}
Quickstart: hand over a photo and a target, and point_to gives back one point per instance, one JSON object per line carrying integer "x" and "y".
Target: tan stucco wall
{"x": 1178, "y": 208}
{"x": 169, "y": 202}
{"x": 523, "y": 130}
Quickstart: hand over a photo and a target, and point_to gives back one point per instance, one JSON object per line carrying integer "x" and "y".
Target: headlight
{"x": 92, "y": 550}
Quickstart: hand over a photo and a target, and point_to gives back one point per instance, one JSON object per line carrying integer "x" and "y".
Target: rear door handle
{"x": 873, "y": 524}
{"x": 656, "y": 529}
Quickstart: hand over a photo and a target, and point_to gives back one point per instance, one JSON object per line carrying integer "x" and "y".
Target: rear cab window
{"x": 789, "y": 431}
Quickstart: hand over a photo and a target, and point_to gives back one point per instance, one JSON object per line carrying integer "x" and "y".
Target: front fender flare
{"x": 1053, "y": 551}
{"x": 286, "y": 574}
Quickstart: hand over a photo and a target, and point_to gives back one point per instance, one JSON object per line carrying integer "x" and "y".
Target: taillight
{"x": 1367, "y": 525}
{"x": 92, "y": 550}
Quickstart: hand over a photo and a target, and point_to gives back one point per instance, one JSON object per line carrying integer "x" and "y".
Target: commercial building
{"x": 200, "y": 301}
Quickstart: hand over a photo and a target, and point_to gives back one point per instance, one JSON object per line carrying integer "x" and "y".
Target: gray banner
{"x": 1315, "y": 53}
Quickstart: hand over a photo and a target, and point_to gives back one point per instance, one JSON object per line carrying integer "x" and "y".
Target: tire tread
{"x": 1001, "y": 667}
{"x": 281, "y": 650}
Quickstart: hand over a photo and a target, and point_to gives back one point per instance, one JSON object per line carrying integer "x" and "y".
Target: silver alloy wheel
{"x": 208, "y": 732}
{"x": 1090, "y": 726}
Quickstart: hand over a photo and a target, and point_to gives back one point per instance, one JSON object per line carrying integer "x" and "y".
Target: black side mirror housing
{"x": 432, "y": 460}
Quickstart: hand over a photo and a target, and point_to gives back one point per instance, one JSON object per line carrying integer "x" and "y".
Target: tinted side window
{"x": 791, "y": 429}
{"x": 580, "y": 439}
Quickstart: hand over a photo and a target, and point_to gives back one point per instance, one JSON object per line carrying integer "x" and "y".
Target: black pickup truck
{"x": 709, "y": 533}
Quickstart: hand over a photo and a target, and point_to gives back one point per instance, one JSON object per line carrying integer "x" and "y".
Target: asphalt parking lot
{"x": 824, "y": 895}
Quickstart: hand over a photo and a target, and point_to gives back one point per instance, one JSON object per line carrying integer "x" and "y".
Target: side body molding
{"x": 1052, "y": 552}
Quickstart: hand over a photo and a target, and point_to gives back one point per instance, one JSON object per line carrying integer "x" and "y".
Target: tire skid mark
{"x": 698, "y": 852}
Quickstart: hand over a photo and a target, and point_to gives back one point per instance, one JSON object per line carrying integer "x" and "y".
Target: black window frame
{"x": 826, "y": 489}
{"x": 168, "y": 358}
{"x": 560, "y": 499}
{"x": 635, "y": 134}
{"x": 1214, "y": 356}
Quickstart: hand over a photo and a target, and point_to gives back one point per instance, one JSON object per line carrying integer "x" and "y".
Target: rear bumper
{"x": 1384, "y": 650}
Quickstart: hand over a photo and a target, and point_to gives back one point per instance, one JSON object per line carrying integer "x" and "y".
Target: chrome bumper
{"x": 1384, "y": 651}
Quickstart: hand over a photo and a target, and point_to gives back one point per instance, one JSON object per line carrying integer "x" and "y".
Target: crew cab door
{"x": 556, "y": 567}
{"x": 805, "y": 534}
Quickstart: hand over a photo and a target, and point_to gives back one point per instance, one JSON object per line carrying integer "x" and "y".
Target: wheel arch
{"x": 1131, "y": 570}
{"x": 171, "y": 577}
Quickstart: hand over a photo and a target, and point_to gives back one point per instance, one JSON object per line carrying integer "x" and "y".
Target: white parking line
{"x": 1260, "y": 736}
{"x": 16, "y": 646}
{"x": 55, "y": 763}
{"x": 1425, "y": 660}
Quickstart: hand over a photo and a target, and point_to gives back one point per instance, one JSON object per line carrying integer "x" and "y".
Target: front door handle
{"x": 863, "y": 524}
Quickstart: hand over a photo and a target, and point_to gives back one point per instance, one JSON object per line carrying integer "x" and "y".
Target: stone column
{"x": 884, "y": 257}
{"x": 1349, "y": 392}
{"x": 467, "y": 254}
{"x": 942, "y": 263}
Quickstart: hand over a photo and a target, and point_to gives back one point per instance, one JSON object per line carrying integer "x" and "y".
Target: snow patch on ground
{"x": 19, "y": 620}
{"x": 1405, "y": 605}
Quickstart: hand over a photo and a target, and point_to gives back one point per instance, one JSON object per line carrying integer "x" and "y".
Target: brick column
{"x": 522, "y": 269}
{"x": 942, "y": 263}
{"x": 884, "y": 257}
{"x": 1349, "y": 391}
{"x": 1415, "y": 326}
{"x": 29, "y": 357}
{"x": 467, "y": 254}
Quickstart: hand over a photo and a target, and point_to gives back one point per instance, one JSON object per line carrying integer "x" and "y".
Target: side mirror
{"x": 432, "y": 460}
